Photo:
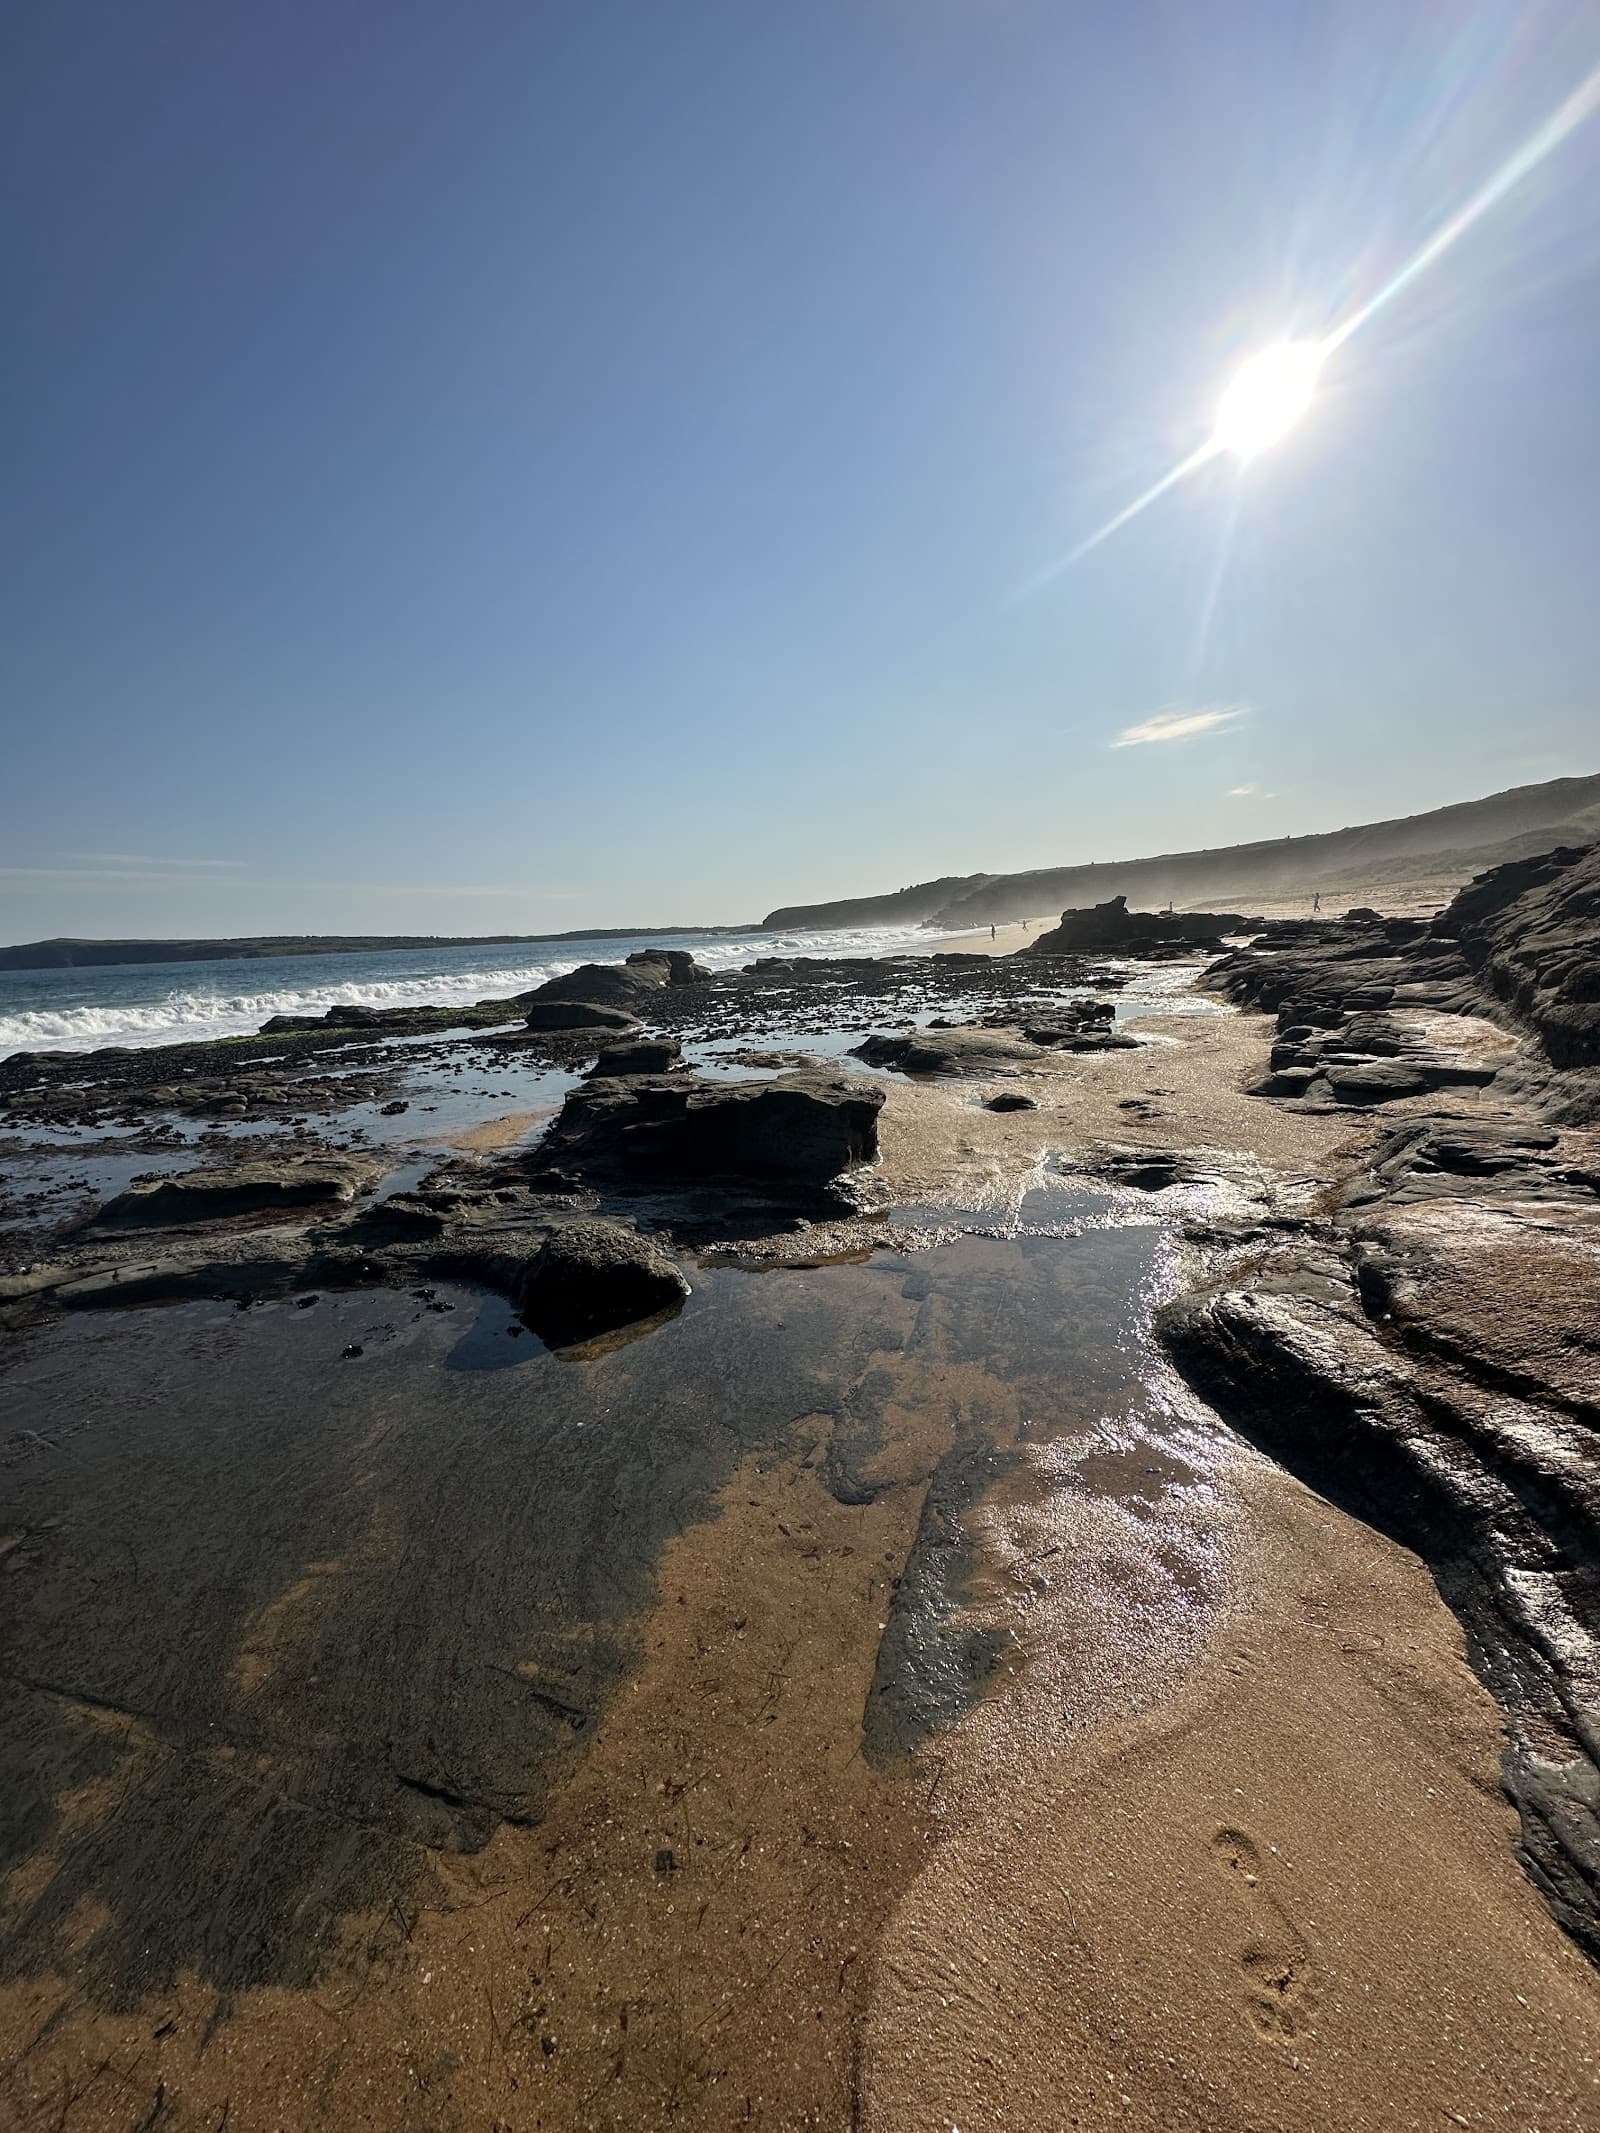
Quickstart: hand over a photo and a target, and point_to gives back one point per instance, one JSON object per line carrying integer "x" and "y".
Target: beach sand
{"x": 1284, "y": 1897}
{"x": 1007, "y": 939}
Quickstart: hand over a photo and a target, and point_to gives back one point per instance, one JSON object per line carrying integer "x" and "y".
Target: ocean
{"x": 175, "y": 1003}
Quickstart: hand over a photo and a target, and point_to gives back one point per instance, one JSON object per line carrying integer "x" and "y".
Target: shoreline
{"x": 1226, "y": 1810}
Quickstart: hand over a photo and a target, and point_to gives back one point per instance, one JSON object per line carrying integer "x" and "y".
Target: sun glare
{"x": 1267, "y": 397}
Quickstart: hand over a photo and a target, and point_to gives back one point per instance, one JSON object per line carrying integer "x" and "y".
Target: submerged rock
{"x": 593, "y": 1277}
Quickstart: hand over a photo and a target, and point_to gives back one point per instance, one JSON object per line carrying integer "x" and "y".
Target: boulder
{"x": 629, "y": 985}
{"x": 1010, "y": 1100}
{"x": 579, "y": 1014}
{"x": 238, "y": 1189}
{"x": 638, "y": 1055}
{"x": 680, "y": 966}
{"x": 805, "y": 1127}
{"x": 593, "y": 1277}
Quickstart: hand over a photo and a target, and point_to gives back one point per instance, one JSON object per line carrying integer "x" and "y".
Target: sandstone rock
{"x": 630, "y": 985}
{"x": 806, "y": 1127}
{"x": 1376, "y": 1081}
{"x": 239, "y": 1189}
{"x": 1531, "y": 932}
{"x": 592, "y": 1277}
{"x": 640, "y": 1055}
{"x": 975, "y": 1053}
{"x": 680, "y": 966}
{"x": 1112, "y": 925}
{"x": 579, "y": 1014}
{"x": 1079, "y": 1036}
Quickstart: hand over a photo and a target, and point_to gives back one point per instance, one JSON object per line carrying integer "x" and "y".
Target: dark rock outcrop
{"x": 999, "y": 1044}
{"x": 579, "y": 1014}
{"x": 212, "y": 1195}
{"x": 1520, "y": 943}
{"x": 1427, "y": 1355}
{"x": 638, "y": 1055}
{"x": 1440, "y": 1421}
{"x": 630, "y": 985}
{"x": 973, "y": 1053}
{"x": 593, "y": 1277}
{"x": 1112, "y": 926}
{"x": 1530, "y": 932}
{"x": 804, "y": 1128}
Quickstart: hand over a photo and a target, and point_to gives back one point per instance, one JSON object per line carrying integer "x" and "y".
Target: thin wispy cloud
{"x": 172, "y": 872}
{"x": 98, "y": 876}
{"x": 1242, "y": 792}
{"x": 1179, "y": 725}
{"x": 144, "y": 859}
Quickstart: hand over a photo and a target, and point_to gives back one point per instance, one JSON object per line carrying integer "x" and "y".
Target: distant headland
{"x": 68, "y": 954}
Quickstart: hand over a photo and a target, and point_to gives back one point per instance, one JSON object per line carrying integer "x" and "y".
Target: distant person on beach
{"x": 991, "y": 933}
{"x": 1316, "y": 902}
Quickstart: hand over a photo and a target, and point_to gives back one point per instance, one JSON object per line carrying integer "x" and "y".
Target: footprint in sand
{"x": 1281, "y": 1985}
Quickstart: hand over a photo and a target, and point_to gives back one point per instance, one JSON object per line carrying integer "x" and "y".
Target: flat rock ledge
{"x": 973, "y": 1050}
{"x": 222, "y": 1192}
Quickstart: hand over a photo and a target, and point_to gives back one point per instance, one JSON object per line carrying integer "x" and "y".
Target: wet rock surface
{"x": 1427, "y": 1355}
{"x": 592, "y": 1277}
{"x": 806, "y": 1127}
{"x": 1530, "y": 932}
{"x": 997, "y": 1044}
{"x": 308, "y": 1601}
{"x": 642, "y": 1055}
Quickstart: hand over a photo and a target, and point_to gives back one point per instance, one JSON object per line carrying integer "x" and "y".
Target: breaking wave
{"x": 135, "y": 1005}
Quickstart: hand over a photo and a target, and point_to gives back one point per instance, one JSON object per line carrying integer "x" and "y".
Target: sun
{"x": 1267, "y": 397}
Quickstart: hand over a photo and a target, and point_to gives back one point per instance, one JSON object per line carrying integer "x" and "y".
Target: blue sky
{"x": 511, "y": 465}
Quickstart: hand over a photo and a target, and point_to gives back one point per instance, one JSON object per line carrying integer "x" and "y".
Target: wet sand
{"x": 979, "y": 1736}
{"x": 494, "y": 1134}
{"x": 1285, "y": 1897}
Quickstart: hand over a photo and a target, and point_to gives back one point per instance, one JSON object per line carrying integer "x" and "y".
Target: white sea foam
{"x": 153, "y": 1010}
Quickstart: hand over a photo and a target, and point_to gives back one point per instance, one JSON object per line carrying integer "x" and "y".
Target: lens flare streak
{"x": 1565, "y": 120}
{"x": 1169, "y": 480}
